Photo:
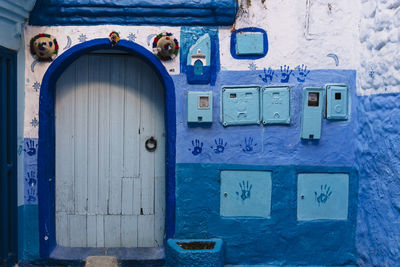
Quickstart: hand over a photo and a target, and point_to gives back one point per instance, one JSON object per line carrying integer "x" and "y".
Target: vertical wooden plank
{"x": 132, "y": 117}
{"x": 62, "y": 229}
{"x": 146, "y": 231}
{"x": 100, "y": 231}
{"x": 127, "y": 196}
{"x": 93, "y": 134}
{"x": 104, "y": 135}
{"x": 81, "y": 121}
{"x": 112, "y": 231}
{"x": 77, "y": 230}
{"x": 64, "y": 139}
{"x": 129, "y": 231}
{"x": 136, "y": 196}
{"x": 91, "y": 226}
{"x": 159, "y": 163}
{"x": 116, "y": 133}
{"x": 147, "y": 130}
{"x": 159, "y": 210}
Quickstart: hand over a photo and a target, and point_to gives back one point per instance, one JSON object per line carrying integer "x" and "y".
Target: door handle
{"x": 151, "y": 144}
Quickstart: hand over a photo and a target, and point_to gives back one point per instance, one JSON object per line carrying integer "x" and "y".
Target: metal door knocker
{"x": 151, "y": 144}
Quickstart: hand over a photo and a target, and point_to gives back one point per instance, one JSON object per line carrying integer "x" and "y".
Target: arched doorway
{"x": 47, "y": 158}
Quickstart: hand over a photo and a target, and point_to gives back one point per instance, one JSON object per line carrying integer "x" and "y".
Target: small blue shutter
{"x": 198, "y": 67}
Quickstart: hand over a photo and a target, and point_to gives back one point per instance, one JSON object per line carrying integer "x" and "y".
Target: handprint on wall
{"x": 197, "y": 147}
{"x": 31, "y": 148}
{"x": 285, "y": 74}
{"x": 301, "y": 73}
{"x": 219, "y": 146}
{"x": 324, "y": 195}
{"x": 31, "y": 197}
{"x": 31, "y": 178}
{"x": 249, "y": 145}
{"x": 245, "y": 190}
{"x": 268, "y": 75}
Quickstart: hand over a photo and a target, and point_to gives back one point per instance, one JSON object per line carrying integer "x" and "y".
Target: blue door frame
{"x": 46, "y": 154}
{"x": 8, "y": 156}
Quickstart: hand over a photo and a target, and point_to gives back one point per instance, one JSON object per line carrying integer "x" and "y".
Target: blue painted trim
{"x": 46, "y": 155}
{"x": 159, "y": 12}
{"x": 250, "y": 29}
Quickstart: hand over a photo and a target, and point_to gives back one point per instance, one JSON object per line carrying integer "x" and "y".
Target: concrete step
{"x": 101, "y": 261}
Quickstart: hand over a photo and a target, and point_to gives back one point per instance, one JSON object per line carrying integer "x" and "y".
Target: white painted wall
{"x": 379, "y": 69}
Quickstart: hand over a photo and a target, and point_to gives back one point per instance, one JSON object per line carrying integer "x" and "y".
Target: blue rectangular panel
{"x": 249, "y": 43}
{"x": 313, "y": 100}
{"x": 276, "y": 105}
{"x": 245, "y": 193}
{"x": 337, "y": 102}
{"x": 240, "y": 105}
{"x": 322, "y": 196}
{"x": 199, "y": 107}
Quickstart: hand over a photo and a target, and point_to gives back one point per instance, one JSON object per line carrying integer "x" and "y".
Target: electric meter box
{"x": 245, "y": 193}
{"x": 311, "y": 120}
{"x": 322, "y": 196}
{"x": 199, "y": 107}
{"x": 276, "y": 105}
{"x": 240, "y": 105}
{"x": 337, "y": 102}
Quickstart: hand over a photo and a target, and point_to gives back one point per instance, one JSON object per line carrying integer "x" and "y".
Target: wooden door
{"x": 8, "y": 157}
{"x": 110, "y": 190}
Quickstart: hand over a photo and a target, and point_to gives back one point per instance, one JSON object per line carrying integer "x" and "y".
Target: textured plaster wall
{"x": 379, "y": 70}
{"x": 378, "y": 143}
{"x": 378, "y": 146}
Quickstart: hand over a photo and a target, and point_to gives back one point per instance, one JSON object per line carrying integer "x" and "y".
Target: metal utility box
{"x": 276, "y": 105}
{"x": 245, "y": 193}
{"x": 199, "y": 107}
{"x": 337, "y": 102}
{"x": 240, "y": 105}
{"x": 249, "y": 43}
{"x": 322, "y": 196}
{"x": 313, "y": 99}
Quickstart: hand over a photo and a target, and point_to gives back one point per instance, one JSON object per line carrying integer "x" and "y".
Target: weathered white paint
{"x": 379, "y": 69}
{"x": 299, "y": 32}
{"x": 110, "y": 190}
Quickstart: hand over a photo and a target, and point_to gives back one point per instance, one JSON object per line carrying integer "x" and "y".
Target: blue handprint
{"x": 219, "y": 146}
{"x": 31, "y": 178}
{"x": 324, "y": 195}
{"x": 285, "y": 74}
{"x": 31, "y": 148}
{"x": 245, "y": 190}
{"x": 302, "y": 73}
{"x": 197, "y": 147}
{"x": 267, "y": 75}
{"x": 248, "y": 145}
{"x": 31, "y": 197}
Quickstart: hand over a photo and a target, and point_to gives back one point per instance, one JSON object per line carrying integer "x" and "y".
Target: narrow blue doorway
{"x": 8, "y": 157}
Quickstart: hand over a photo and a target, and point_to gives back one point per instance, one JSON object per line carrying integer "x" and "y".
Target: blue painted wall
{"x": 280, "y": 240}
{"x": 377, "y": 148}
{"x": 201, "y": 155}
{"x": 271, "y": 144}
